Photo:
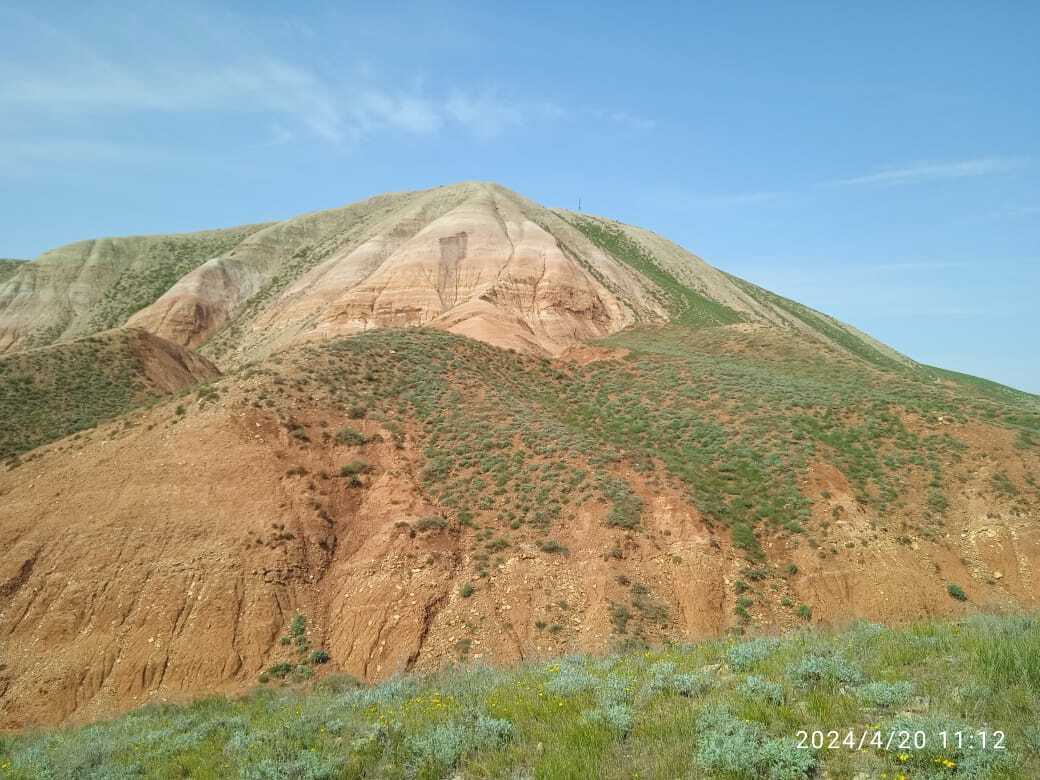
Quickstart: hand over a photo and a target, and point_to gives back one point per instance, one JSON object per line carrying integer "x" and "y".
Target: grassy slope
{"x": 686, "y": 307}
{"x": 716, "y": 709}
{"x": 129, "y": 274}
{"x": 49, "y": 393}
{"x": 8, "y": 267}
{"x": 733, "y": 419}
{"x": 828, "y": 327}
{"x": 159, "y": 263}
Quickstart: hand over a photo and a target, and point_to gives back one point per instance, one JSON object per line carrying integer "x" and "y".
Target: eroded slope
{"x": 474, "y": 259}
{"x": 422, "y": 498}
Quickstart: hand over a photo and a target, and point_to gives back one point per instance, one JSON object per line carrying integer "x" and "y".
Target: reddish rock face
{"x": 474, "y": 259}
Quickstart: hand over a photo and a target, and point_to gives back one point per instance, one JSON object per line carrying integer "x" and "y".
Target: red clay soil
{"x": 166, "y": 560}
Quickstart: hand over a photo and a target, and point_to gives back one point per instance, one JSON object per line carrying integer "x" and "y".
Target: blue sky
{"x": 880, "y": 163}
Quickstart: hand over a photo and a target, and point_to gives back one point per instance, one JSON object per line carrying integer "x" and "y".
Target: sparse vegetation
{"x": 669, "y": 712}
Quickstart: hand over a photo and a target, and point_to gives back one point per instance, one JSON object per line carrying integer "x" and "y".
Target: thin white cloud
{"x": 228, "y": 71}
{"x": 921, "y": 172}
{"x": 624, "y": 118}
{"x": 336, "y": 113}
{"x": 737, "y": 199}
{"x": 917, "y": 265}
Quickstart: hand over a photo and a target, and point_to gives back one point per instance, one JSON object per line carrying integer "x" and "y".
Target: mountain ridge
{"x": 240, "y": 293}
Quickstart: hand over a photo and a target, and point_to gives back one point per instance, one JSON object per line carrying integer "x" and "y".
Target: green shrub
{"x": 744, "y": 538}
{"x": 956, "y": 592}
{"x": 830, "y": 669}
{"x": 466, "y": 590}
{"x": 280, "y": 669}
{"x": 354, "y": 468}
{"x": 762, "y": 691}
{"x": 692, "y": 684}
{"x": 735, "y": 748}
{"x": 884, "y": 694}
{"x": 431, "y": 523}
{"x": 320, "y": 657}
{"x": 619, "y": 617}
{"x": 746, "y": 655}
{"x": 350, "y": 437}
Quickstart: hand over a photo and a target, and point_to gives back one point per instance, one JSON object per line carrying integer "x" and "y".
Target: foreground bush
{"x": 715, "y": 709}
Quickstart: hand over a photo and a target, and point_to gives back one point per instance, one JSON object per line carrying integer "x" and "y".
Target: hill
{"x": 452, "y": 426}
{"x": 424, "y": 498}
{"x": 49, "y": 393}
{"x": 474, "y": 259}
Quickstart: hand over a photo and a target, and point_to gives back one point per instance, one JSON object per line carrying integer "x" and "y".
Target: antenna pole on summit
{"x": 579, "y": 203}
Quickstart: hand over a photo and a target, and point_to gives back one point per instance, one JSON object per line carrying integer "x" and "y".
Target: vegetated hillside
{"x": 91, "y": 286}
{"x": 8, "y": 268}
{"x": 49, "y": 393}
{"x": 423, "y": 498}
{"x": 959, "y": 698}
{"x": 474, "y": 259}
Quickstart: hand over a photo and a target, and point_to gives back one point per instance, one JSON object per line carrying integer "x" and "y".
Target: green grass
{"x": 687, "y": 307}
{"x": 821, "y": 323}
{"x": 49, "y": 393}
{"x": 724, "y": 709}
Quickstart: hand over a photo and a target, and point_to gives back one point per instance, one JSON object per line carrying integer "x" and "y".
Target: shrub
{"x": 319, "y": 657}
{"x": 619, "y": 617}
{"x": 445, "y": 744}
{"x": 280, "y": 670}
{"x": 736, "y": 748}
{"x": 552, "y": 546}
{"x": 570, "y": 680}
{"x": 692, "y": 684}
{"x": 956, "y": 592}
{"x": 884, "y": 694}
{"x": 936, "y": 500}
{"x": 825, "y": 670}
{"x": 744, "y": 538}
{"x": 466, "y": 590}
{"x": 762, "y": 691}
{"x": 350, "y": 437}
{"x": 431, "y": 523}
{"x": 617, "y": 716}
{"x": 356, "y": 412}
{"x": 745, "y": 655}
{"x": 804, "y": 611}
{"x": 354, "y": 468}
